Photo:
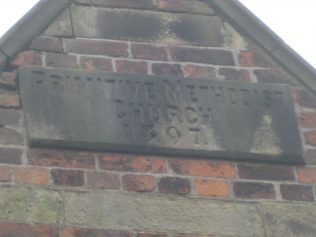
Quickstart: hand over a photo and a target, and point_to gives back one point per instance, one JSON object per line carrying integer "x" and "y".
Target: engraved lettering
{"x": 120, "y": 109}
{"x": 192, "y": 93}
{"x": 191, "y": 115}
{"x": 172, "y": 92}
{"x": 173, "y": 113}
{"x": 38, "y": 76}
{"x": 173, "y": 133}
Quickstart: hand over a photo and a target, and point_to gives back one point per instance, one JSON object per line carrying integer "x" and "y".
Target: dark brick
{"x": 305, "y": 98}
{"x": 96, "y": 47}
{"x": 90, "y": 64}
{"x": 174, "y": 185}
{"x": 8, "y": 80}
{"x": 31, "y": 58}
{"x": 141, "y": 4}
{"x": 10, "y": 137}
{"x": 196, "y": 71}
{"x": 138, "y": 183}
{"x": 253, "y": 59}
{"x": 295, "y": 192}
{"x": 149, "y": 51}
{"x": 9, "y": 100}
{"x": 310, "y": 138}
{"x": 100, "y": 180}
{"x": 68, "y": 177}
{"x": 133, "y": 67}
{"x": 232, "y": 74}
{"x": 23, "y": 230}
{"x": 266, "y": 172}
{"x": 47, "y": 43}
{"x": 61, "y": 60}
{"x": 66, "y": 159}
{"x": 129, "y": 163}
{"x": 85, "y": 232}
{"x": 254, "y": 190}
{"x": 9, "y": 117}
{"x": 273, "y": 76}
{"x": 164, "y": 69}
{"x": 148, "y": 234}
{"x": 10, "y": 156}
{"x": 184, "y": 6}
{"x": 202, "y": 55}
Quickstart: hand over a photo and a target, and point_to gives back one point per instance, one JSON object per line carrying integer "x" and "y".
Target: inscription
{"x": 114, "y": 111}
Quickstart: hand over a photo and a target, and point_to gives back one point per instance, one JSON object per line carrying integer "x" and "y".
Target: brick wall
{"x": 48, "y": 192}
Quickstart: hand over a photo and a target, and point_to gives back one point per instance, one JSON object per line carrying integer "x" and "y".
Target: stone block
{"x": 61, "y": 26}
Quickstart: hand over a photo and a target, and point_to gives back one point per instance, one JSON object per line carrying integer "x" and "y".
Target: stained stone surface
{"x": 130, "y": 113}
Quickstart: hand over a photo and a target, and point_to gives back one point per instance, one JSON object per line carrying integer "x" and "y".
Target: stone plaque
{"x": 159, "y": 115}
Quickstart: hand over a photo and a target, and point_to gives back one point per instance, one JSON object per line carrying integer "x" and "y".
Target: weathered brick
{"x": 89, "y": 63}
{"x": 232, "y": 74}
{"x": 138, "y": 183}
{"x": 133, "y": 67}
{"x": 149, "y": 51}
{"x": 96, "y": 47}
{"x": 273, "y": 76}
{"x": 130, "y": 163}
{"x": 68, "y": 177}
{"x": 10, "y": 156}
{"x": 31, "y": 58}
{"x": 164, "y": 69}
{"x": 184, "y": 6}
{"x": 310, "y": 156}
{"x": 61, "y": 60}
{"x": 32, "y": 175}
{"x": 9, "y": 100}
{"x": 9, "y": 117}
{"x": 10, "y": 137}
{"x": 253, "y": 59}
{"x": 213, "y": 188}
{"x": 47, "y": 43}
{"x": 307, "y": 175}
{"x": 141, "y": 4}
{"x": 101, "y": 180}
{"x": 148, "y": 234}
{"x": 194, "y": 235}
{"x": 203, "y": 168}
{"x": 296, "y": 192}
{"x": 307, "y": 119}
{"x": 254, "y": 190}
{"x": 202, "y": 55}
{"x": 196, "y": 71}
{"x": 310, "y": 138}
{"x": 59, "y": 158}
{"x": 5, "y": 173}
{"x": 174, "y": 185}
{"x": 23, "y": 230}
{"x": 85, "y": 232}
{"x": 8, "y": 80}
{"x": 305, "y": 98}
{"x": 266, "y": 172}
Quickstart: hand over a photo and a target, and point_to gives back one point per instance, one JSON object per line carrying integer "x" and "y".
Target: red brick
{"x": 310, "y": 138}
{"x": 68, "y": 177}
{"x": 203, "y": 168}
{"x": 10, "y": 156}
{"x": 141, "y": 4}
{"x": 61, "y": 60}
{"x": 96, "y": 47}
{"x": 253, "y": 59}
{"x": 184, "y": 6}
{"x": 101, "y": 180}
{"x": 149, "y": 51}
{"x": 305, "y": 98}
{"x": 308, "y": 119}
{"x": 164, "y": 69}
{"x": 32, "y": 175}
{"x": 296, "y": 192}
{"x": 266, "y": 172}
{"x": 196, "y": 71}
{"x": 138, "y": 183}
{"x": 273, "y": 76}
{"x": 231, "y": 74}
{"x": 90, "y": 64}
{"x": 47, "y": 43}
{"x": 133, "y": 67}
{"x": 31, "y": 58}
{"x": 174, "y": 185}
{"x": 23, "y": 230}
{"x": 148, "y": 234}
{"x": 131, "y": 163}
{"x": 9, "y": 100}
{"x": 8, "y": 80}
{"x": 202, "y": 55}
{"x": 5, "y": 174}
{"x": 66, "y": 159}
{"x": 254, "y": 190}
{"x": 213, "y": 188}
{"x": 307, "y": 175}
{"x": 85, "y": 232}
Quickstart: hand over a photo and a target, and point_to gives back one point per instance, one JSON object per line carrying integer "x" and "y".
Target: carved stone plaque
{"x": 159, "y": 115}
